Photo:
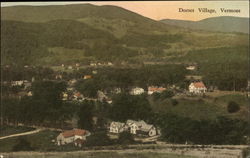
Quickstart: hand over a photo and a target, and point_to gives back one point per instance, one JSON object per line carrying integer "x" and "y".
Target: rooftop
{"x": 70, "y": 133}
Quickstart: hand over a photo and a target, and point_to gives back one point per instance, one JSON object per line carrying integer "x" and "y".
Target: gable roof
{"x": 117, "y": 124}
{"x": 199, "y": 85}
{"x": 156, "y": 89}
{"x": 87, "y": 76}
{"x": 77, "y": 94}
{"x": 71, "y": 133}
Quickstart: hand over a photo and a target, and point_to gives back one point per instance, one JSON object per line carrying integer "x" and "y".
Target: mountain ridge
{"x": 220, "y": 23}
{"x": 7, "y": 12}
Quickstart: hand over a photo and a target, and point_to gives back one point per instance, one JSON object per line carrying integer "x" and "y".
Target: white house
{"x": 58, "y": 76}
{"x": 17, "y": 83}
{"x": 154, "y": 89}
{"x": 87, "y": 77}
{"x": 116, "y": 127}
{"x": 71, "y": 136}
{"x": 191, "y": 67}
{"x": 136, "y": 91}
{"x": 109, "y": 100}
{"x": 72, "y": 82}
{"x": 92, "y": 64}
{"x": 78, "y": 96}
{"x": 110, "y": 64}
{"x": 116, "y": 90}
{"x": 101, "y": 96}
{"x": 197, "y": 87}
{"x": 94, "y": 72}
{"x": 65, "y": 96}
{"x": 27, "y": 84}
{"x": 141, "y": 127}
{"x": 30, "y": 94}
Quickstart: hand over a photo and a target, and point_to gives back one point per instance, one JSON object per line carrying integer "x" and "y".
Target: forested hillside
{"x": 54, "y": 35}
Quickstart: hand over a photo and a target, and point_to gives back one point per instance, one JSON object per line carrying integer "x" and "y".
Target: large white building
{"x": 116, "y": 127}
{"x": 197, "y": 88}
{"x": 134, "y": 127}
{"x": 141, "y": 127}
{"x": 136, "y": 91}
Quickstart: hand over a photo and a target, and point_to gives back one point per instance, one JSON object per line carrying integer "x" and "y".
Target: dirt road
{"x": 22, "y": 134}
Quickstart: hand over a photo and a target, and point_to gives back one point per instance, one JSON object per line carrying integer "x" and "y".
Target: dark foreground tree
{"x": 230, "y": 131}
{"x": 98, "y": 139}
{"x": 126, "y": 106}
{"x": 86, "y": 114}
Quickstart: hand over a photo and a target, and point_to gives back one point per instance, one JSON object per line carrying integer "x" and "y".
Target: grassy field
{"x": 216, "y": 55}
{"x": 209, "y": 107}
{"x": 192, "y": 108}
{"x": 240, "y": 99}
{"x": 61, "y": 55}
{"x": 41, "y": 141}
{"x": 99, "y": 155}
{"x": 8, "y": 130}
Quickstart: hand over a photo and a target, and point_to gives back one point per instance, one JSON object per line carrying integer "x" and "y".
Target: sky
{"x": 158, "y": 10}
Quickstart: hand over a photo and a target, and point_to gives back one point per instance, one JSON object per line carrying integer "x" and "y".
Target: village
{"x": 141, "y": 131}
{"x": 195, "y": 87}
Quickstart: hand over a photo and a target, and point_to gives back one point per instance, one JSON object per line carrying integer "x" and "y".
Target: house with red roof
{"x": 197, "y": 87}
{"x": 87, "y": 77}
{"x": 154, "y": 89}
{"x": 78, "y": 96}
{"x": 72, "y": 136}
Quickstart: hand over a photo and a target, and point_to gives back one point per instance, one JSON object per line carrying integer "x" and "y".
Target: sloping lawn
{"x": 194, "y": 109}
{"x": 238, "y": 98}
{"x": 41, "y": 141}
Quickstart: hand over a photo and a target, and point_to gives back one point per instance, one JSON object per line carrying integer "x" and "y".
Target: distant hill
{"x": 55, "y": 12}
{"x": 74, "y": 12}
{"x": 222, "y": 24}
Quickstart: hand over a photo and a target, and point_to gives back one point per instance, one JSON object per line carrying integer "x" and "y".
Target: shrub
{"x": 246, "y": 152}
{"x": 125, "y": 138}
{"x": 98, "y": 139}
{"x": 156, "y": 96}
{"x": 167, "y": 94}
{"x": 174, "y": 102}
{"x": 233, "y": 107}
